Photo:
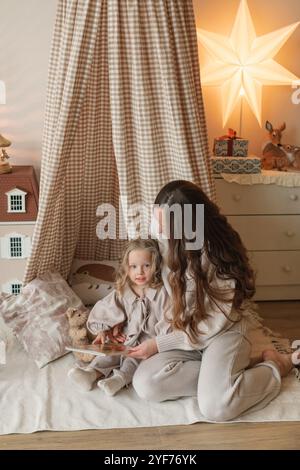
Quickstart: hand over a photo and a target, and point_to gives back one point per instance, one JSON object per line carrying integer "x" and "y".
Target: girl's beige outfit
{"x": 143, "y": 318}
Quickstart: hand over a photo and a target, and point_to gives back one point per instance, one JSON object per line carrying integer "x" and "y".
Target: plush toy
{"x": 274, "y": 156}
{"x": 278, "y": 156}
{"x": 293, "y": 155}
{"x": 78, "y": 332}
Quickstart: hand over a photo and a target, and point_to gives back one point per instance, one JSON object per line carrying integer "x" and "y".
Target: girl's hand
{"x": 144, "y": 350}
{"x": 100, "y": 338}
{"x": 114, "y": 335}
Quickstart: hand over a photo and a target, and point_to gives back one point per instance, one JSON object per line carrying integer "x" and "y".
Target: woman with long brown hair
{"x": 207, "y": 353}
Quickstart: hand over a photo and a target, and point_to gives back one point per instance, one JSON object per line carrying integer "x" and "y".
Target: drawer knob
{"x": 290, "y": 234}
{"x": 294, "y": 197}
{"x": 287, "y": 269}
{"x": 236, "y": 197}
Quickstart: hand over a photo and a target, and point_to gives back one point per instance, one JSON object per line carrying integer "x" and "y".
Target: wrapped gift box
{"x": 230, "y": 145}
{"x": 236, "y": 164}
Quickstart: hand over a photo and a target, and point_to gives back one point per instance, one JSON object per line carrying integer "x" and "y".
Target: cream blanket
{"x": 35, "y": 399}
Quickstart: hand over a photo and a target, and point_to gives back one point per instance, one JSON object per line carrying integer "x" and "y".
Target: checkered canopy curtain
{"x": 124, "y": 115}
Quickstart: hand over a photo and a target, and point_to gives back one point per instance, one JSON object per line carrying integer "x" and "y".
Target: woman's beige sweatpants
{"x": 217, "y": 375}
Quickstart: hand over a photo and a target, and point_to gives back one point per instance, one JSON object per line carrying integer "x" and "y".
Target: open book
{"x": 106, "y": 349}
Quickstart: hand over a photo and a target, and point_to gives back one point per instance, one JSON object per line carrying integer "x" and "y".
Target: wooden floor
{"x": 280, "y": 316}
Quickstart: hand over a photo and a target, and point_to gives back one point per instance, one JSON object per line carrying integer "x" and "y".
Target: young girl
{"x": 211, "y": 288}
{"x": 139, "y": 303}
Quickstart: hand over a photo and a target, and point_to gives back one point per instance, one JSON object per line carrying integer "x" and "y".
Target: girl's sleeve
{"x": 106, "y": 313}
{"x": 215, "y": 323}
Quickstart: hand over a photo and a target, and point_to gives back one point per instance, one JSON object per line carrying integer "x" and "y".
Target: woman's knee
{"x": 216, "y": 410}
{"x": 145, "y": 386}
{"x": 215, "y": 406}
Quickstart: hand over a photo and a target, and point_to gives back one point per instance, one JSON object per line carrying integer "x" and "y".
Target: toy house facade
{"x": 18, "y": 213}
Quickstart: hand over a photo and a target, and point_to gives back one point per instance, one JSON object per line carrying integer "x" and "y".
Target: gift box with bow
{"x": 230, "y": 145}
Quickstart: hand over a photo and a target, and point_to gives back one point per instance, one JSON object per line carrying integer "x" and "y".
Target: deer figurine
{"x": 293, "y": 155}
{"x": 274, "y": 155}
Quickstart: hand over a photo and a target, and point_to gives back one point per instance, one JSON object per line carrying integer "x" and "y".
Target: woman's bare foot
{"x": 284, "y": 361}
{"x": 255, "y": 360}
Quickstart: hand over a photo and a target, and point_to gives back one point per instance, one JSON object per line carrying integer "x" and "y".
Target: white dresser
{"x": 267, "y": 217}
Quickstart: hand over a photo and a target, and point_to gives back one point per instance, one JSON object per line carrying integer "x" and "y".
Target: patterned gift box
{"x": 236, "y": 164}
{"x": 230, "y": 145}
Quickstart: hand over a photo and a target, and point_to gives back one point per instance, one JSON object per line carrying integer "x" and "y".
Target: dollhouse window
{"x": 16, "y": 201}
{"x": 16, "y": 288}
{"x": 13, "y": 286}
{"x": 16, "y": 247}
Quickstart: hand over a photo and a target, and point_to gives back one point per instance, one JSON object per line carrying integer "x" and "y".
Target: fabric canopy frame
{"x": 124, "y": 116}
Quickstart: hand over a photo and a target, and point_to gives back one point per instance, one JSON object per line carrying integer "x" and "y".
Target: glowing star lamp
{"x": 242, "y": 63}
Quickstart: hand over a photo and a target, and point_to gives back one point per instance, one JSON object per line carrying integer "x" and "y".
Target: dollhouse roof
{"x": 22, "y": 181}
{"x": 16, "y": 191}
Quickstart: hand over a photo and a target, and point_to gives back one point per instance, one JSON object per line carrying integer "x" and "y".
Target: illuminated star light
{"x": 242, "y": 63}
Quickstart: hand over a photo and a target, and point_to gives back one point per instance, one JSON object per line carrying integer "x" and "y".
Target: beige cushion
{"x": 37, "y": 316}
{"x": 92, "y": 280}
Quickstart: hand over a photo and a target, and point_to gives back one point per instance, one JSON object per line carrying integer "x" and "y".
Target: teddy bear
{"x": 78, "y": 332}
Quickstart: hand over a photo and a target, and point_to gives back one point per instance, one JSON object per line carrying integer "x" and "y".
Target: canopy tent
{"x": 124, "y": 116}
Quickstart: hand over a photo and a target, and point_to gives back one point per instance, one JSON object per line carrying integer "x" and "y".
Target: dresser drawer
{"x": 276, "y": 268}
{"x": 277, "y": 293}
{"x": 268, "y": 233}
{"x": 235, "y": 199}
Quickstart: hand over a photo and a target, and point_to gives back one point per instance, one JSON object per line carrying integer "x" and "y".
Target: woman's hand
{"x": 114, "y": 335}
{"x": 144, "y": 350}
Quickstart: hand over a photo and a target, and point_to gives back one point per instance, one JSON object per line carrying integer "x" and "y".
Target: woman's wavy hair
{"x": 152, "y": 247}
{"x": 223, "y": 248}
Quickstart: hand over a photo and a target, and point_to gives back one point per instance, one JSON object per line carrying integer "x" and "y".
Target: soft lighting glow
{"x": 243, "y": 62}
{"x": 2, "y": 93}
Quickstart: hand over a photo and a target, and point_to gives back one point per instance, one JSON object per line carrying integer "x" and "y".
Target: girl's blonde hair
{"x": 152, "y": 247}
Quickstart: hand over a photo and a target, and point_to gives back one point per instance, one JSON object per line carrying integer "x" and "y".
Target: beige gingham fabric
{"x": 124, "y": 115}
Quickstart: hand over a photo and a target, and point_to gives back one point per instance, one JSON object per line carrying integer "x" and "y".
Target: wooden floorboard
{"x": 283, "y": 317}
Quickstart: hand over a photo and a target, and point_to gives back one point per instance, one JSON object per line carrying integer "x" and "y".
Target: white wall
{"x": 25, "y": 38}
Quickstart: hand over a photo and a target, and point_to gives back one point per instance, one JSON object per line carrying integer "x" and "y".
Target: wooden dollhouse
{"x": 18, "y": 213}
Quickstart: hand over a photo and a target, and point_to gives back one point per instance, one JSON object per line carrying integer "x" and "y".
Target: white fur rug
{"x": 34, "y": 400}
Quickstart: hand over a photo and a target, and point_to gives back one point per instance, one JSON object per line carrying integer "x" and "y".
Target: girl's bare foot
{"x": 284, "y": 361}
